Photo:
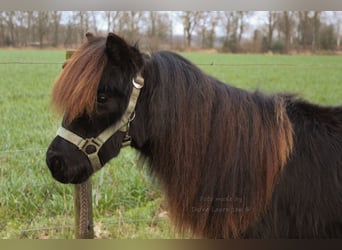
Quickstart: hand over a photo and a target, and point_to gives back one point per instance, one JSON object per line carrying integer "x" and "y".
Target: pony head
{"x": 93, "y": 93}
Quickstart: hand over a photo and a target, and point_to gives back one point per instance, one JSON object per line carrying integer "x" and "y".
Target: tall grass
{"x": 127, "y": 204}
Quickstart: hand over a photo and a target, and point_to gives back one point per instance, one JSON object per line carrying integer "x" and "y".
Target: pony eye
{"x": 102, "y": 98}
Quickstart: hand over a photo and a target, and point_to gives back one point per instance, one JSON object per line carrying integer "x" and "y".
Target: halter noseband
{"x": 91, "y": 146}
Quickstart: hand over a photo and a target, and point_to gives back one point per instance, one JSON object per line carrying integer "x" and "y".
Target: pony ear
{"x": 116, "y": 46}
{"x": 90, "y": 36}
{"x": 122, "y": 53}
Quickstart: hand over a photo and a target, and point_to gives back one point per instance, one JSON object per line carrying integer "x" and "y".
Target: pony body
{"x": 232, "y": 163}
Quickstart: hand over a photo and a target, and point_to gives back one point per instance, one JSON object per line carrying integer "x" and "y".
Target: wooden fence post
{"x": 84, "y": 210}
{"x": 83, "y": 202}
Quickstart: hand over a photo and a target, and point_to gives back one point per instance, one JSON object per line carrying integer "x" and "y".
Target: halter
{"x": 91, "y": 146}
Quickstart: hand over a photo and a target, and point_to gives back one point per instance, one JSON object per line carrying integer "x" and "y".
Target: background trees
{"x": 227, "y": 31}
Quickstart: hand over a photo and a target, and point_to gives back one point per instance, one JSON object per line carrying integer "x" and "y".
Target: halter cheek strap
{"x": 91, "y": 146}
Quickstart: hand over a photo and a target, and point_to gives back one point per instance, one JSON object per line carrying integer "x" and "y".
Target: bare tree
{"x": 286, "y": 25}
{"x": 43, "y": 19}
{"x": 93, "y": 21}
{"x": 81, "y": 19}
{"x": 234, "y": 24}
{"x": 228, "y": 21}
{"x": 190, "y": 20}
{"x": 206, "y": 27}
{"x": 19, "y": 28}
{"x": 257, "y": 41}
{"x": 121, "y": 22}
{"x": 2, "y": 28}
{"x": 243, "y": 15}
{"x": 108, "y": 16}
{"x": 56, "y": 19}
{"x": 134, "y": 19}
{"x": 316, "y": 27}
{"x": 158, "y": 24}
{"x": 71, "y": 36}
{"x": 31, "y": 17}
{"x": 338, "y": 20}
{"x": 153, "y": 16}
{"x": 271, "y": 24}
{"x": 157, "y": 28}
{"x": 115, "y": 20}
{"x": 10, "y": 20}
{"x": 309, "y": 29}
{"x": 304, "y": 28}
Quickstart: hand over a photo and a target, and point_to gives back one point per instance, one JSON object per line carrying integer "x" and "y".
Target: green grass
{"x": 317, "y": 78}
{"x": 127, "y": 204}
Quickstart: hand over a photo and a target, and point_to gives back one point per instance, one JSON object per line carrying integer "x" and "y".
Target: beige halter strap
{"x": 91, "y": 146}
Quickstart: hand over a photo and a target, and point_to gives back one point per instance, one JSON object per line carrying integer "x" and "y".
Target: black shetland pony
{"x": 233, "y": 164}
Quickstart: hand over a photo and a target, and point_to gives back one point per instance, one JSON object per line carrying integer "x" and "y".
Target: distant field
{"x": 126, "y": 203}
{"x": 317, "y": 78}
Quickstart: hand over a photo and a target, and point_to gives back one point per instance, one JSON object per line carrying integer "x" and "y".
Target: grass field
{"x": 126, "y": 203}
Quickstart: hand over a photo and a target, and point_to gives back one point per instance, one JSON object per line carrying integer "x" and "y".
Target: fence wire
{"x": 107, "y": 223}
{"x": 23, "y": 63}
{"x": 205, "y": 64}
{"x": 23, "y": 232}
{"x": 14, "y": 151}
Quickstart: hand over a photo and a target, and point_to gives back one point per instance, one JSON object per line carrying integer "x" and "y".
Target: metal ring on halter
{"x": 138, "y": 82}
{"x": 132, "y": 117}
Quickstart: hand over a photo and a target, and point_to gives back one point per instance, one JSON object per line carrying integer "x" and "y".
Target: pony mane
{"x": 75, "y": 89}
{"x": 218, "y": 150}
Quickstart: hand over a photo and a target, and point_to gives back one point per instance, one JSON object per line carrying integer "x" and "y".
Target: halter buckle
{"x": 126, "y": 140}
{"x": 90, "y": 146}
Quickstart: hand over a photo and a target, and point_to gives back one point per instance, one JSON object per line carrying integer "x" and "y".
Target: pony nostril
{"x": 57, "y": 163}
{"x": 58, "y": 168}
